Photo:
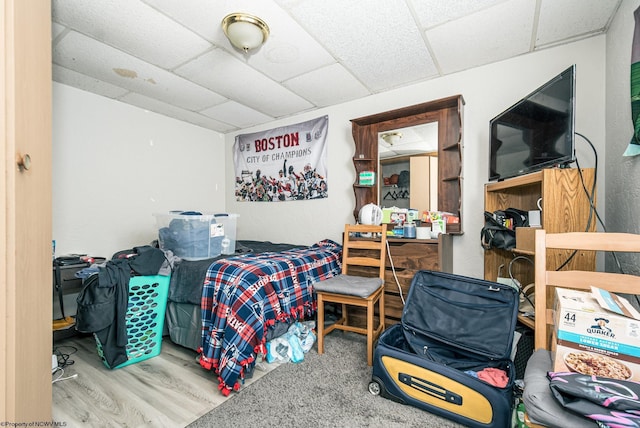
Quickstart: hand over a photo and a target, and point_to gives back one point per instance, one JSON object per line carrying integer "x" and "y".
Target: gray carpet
{"x": 328, "y": 390}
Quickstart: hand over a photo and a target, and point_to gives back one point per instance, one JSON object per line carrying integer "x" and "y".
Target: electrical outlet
{"x": 54, "y": 363}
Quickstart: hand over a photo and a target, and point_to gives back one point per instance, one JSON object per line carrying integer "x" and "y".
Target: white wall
{"x": 114, "y": 165}
{"x": 623, "y": 173}
{"x": 487, "y": 91}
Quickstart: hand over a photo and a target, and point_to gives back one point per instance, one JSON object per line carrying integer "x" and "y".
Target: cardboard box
{"x": 394, "y": 215}
{"x": 525, "y": 239}
{"x": 412, "y": 215}
{"x": 592, "y": 340}
{"x": 447, "y": 217}
{"x": 367, "y": 178}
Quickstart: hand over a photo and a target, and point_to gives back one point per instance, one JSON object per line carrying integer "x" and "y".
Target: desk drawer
{"x": 70, "y": 286}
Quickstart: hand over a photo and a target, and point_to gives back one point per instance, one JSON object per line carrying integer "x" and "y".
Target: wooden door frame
{"x": 25, "y": 212}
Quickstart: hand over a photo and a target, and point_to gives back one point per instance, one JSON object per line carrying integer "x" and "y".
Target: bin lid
{"x": 475, "y": 316}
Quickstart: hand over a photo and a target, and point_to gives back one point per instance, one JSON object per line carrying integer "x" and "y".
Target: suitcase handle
{"x": 430, "y": 388}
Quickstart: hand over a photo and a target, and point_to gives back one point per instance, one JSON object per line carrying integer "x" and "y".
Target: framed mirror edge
{"x": 448, "y": 112}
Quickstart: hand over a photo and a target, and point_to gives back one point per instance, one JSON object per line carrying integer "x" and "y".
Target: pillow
{"x": 539, "y": 402}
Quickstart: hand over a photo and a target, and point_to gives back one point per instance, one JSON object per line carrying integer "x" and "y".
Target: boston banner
{"x": 282, "y": 164}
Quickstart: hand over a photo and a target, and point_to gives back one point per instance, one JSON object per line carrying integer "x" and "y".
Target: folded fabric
{"x": 542, "y": 407}
{"x": 496, "y": 377}
{"x": 609, "y": 402}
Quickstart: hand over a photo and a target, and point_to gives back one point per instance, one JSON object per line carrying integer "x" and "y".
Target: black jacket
{"x": 102, "y": 303}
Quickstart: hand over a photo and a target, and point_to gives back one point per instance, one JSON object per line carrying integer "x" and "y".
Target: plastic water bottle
{"x": 226, "y": 246}
{"x": 520, "y": 411}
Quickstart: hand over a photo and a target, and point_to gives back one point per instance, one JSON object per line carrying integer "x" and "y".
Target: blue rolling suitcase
{"x": 450, "y": 355}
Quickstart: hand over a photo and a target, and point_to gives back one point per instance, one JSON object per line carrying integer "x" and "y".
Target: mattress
{"x": 183, "y": 321}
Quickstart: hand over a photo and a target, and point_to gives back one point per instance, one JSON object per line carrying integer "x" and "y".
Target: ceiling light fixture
{"x": 391, "y": 137}
{"x": 245, "y": 32}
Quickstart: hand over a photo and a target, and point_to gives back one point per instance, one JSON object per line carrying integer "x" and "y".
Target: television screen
{"x": 536, "y": 132}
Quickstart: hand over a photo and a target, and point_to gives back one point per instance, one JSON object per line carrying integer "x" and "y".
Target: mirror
{"x": 413, "y": 140}
{"x": 408, "y": 167}
{"x": 447, "y": 114}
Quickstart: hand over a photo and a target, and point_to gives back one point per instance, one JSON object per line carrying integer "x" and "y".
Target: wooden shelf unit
{"x": 565, "y": 208}
{"x": 364, "y": 194}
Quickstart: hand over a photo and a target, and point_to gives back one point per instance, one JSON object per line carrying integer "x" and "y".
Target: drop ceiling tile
{"x": 86, "y": 83}
{"x": 327, "y": 86}
{"x": 87, "y": 56}
{"x": 434, "y": 12}
{"x": 318, "y": 53}
{"x": 487, "y": 36}
{"x": 236, "y": 114}
{"x": 176, "y": 112}
{"x": 560, "y": 20}
{"x": 230, "y": 77}
{"x": 358, "y": 34}
{"x": 133, "y": 27}
{"x": 289, "y": 50}
{"x": 56, "y": 30}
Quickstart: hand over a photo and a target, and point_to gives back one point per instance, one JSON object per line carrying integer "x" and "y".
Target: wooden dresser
{"x": 407, "y": 257}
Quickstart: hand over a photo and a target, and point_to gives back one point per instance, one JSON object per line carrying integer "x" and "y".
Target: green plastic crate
{"x": 145, "y": 318}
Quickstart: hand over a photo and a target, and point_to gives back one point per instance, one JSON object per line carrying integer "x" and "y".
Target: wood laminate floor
{"x": 169, "y": 390}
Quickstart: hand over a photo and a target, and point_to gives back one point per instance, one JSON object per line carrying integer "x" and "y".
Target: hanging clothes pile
{"x": 103, "y": 301}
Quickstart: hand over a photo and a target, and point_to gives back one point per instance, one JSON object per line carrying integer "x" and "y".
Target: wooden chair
{"x": 546, "y": 279}
{"x": 361, "y": 284}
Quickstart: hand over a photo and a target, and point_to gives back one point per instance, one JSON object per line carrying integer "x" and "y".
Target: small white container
{"x": 438, "y": 227}
{"x": 423, "y": 232}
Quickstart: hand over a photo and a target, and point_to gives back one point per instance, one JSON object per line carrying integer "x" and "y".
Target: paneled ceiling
{"x": 171, "y": 56}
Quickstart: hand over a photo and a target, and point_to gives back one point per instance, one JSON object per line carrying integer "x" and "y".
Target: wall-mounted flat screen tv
{"x": 537, "y": 132}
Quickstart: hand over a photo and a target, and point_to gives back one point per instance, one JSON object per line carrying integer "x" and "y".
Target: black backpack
{"x": 499, "y": 229}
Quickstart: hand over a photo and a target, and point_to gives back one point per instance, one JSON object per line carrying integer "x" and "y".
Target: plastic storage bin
{"x": 145, "y": 318}
{"x": 190, "y": 237}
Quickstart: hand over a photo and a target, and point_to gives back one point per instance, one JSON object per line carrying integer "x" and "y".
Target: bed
{"x": 183, "y": 321}
{"x": 228, "y": 307}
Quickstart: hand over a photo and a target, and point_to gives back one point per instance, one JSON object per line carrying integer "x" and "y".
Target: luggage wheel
{"x": 374, "y": 388}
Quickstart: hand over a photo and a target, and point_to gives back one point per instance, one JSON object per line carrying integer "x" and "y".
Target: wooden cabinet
{"x": 566, "y": 207}
{"x": 407, "y": 257}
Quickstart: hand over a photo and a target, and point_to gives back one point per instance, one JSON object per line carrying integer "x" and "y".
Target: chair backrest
{"x": 547, "y": 277}
{"x": 361, "y": 253}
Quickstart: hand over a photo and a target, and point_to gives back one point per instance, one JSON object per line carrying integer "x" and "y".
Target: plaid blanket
{"x": 244, "y": 295}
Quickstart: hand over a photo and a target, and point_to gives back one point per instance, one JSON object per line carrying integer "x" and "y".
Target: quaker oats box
{"x": 592, "y": 340}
